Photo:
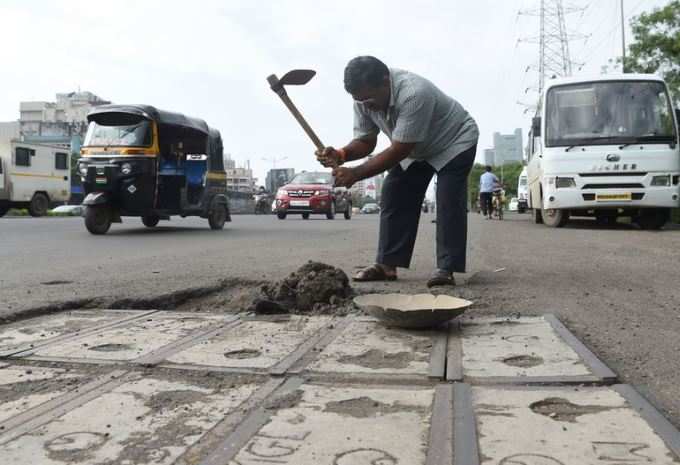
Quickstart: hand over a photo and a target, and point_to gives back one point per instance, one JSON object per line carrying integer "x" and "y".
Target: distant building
{"x": 507, "y": 148}
{"x": 370, "y": 187}
{"x": 9, "y": 130}
{"x": 278, "y": 177}
{"x": 239, "y": 179}
{"x": 63, "y": 122}
{"x": 489, "y": 157}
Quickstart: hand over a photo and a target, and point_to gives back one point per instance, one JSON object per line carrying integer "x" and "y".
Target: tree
{"x": 656, "y": 46}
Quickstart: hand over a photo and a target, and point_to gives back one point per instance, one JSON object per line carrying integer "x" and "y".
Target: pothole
{"x": 560, "y": 409}
{"x": 242, "y": 354}
{"x": 523, "y": 361}
{"x": 55, "y": 282}
{"x": 111, "y": 347}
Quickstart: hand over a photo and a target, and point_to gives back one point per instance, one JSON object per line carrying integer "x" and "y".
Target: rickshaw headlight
{"x": 126, "y": 168}
{"x": 82, "y": 168}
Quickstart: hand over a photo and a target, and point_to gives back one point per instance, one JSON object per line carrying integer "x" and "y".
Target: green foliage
{"x": 656, "y": 46}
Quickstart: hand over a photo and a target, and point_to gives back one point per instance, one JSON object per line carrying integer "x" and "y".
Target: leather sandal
{"x": 441, "y": 278}
{"x": 374, "y": 273}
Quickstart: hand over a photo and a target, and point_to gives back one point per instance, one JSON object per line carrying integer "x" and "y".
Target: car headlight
{"x": 126, "y": 168}
{"x": 281, "y": 193}
{"x": 82, "y": 168}
{"x": 324, "y": 193}
{"x": 664, "y": 180}
{"x": 564, "y": 182}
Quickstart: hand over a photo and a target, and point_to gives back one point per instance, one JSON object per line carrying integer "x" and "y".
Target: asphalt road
{"x": 617, "y": 288}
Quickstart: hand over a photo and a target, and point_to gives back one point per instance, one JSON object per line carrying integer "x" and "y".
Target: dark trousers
{"x": 402, "y": 197}
{"x": 485, "y": 198}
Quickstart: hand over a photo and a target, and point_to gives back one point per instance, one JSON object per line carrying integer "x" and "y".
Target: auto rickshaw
{"x": 139, "y": 161}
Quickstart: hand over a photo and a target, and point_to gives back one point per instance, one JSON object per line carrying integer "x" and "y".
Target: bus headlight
{"x": 82, "y": 169}
{"x": 661, "y": 181}
{"x": 126, "y": 168}
{"x": 564, "y": 182}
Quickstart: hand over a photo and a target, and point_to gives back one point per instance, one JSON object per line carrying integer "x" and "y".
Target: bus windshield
{"x": 609, "y": 112}
{"x": 129, "y": 134}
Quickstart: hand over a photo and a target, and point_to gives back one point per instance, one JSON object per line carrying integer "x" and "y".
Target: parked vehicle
{"x": 313, "y": 193}
{"x": 73, "y": 210}
{"x": 522, "y": 192}
{"x": 33, "y": 176}
{"x": 513, "y": 206}
{"x": 141, "y": 161}
{"x": 605, "y": 147}
{"x": 370, "y": 208}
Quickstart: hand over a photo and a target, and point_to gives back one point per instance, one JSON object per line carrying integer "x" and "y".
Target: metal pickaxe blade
{"x": 296, "y": 77}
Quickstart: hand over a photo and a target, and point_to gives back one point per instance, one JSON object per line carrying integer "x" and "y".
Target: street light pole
{"x": 623, "y": 38}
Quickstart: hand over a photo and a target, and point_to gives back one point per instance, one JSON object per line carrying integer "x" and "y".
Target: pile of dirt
{"x": 314, "y": 288}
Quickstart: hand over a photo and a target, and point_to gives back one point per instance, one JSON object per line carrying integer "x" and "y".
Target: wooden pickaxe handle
{"x": 281, "y": 92}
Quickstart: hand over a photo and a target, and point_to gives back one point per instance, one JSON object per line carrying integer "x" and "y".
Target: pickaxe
{"x": 296, "y": 77}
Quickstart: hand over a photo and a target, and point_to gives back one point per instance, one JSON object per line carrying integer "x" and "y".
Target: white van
{"x": 33, "y": 176}
{"x": 605, "y": 147}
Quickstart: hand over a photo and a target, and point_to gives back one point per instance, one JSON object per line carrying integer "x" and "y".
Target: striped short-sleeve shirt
{"x": 419, "y": 113}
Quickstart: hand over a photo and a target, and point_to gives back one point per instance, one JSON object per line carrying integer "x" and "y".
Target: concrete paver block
{"x": 366, "y": 347}
{"x": 25, "y": 387}
{"x": 137, "y": 339}
{"x": 27, "y": 334}
{"x": 254, "y": 344}
{"x": 567, "y": 425}
{"x": 326, "y": 424}
{"x": 150, "y": 419}
{"x": 497, "y": 350}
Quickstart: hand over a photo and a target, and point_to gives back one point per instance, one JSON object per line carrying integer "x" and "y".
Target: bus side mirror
{"x": 536, "y": 126}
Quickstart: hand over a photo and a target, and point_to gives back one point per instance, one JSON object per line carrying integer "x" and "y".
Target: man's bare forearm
{"x": 359, "y": 148}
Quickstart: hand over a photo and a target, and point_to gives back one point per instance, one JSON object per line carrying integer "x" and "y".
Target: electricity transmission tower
{"x": 553, "y": 40}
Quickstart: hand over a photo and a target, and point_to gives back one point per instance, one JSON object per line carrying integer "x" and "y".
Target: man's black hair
{"x": 488, "y": 168}
{"x": 364, "y": 71}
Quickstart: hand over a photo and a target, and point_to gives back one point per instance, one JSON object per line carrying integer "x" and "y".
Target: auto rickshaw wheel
{"x": 217, "y": 217}
{"x": 98, "y": 219}
{"x": 348, "y": 211}
{"x": 150, "y": 221}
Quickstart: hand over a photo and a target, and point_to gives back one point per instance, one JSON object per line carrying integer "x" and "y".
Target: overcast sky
{"x": 210, "y": 59}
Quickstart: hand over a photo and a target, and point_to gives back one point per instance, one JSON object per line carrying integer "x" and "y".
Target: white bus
{"x": 605, "y": 147}
{"x": 33, "y": 176}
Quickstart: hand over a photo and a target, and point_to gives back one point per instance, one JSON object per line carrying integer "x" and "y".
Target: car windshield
{"x": 119, "y": 135}
{"x": 313, "y": 178}
{"x": 608, "y": 113}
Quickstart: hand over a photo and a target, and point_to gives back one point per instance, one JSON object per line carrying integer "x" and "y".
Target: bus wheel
{"x": 98, "y": 219}
{"x": 39, "y": 205}
{"x": 217, "y": 217}
{"x": 653, "y": 218}
{"x": 150, "y": 221}
{"x": 555, "y": 218}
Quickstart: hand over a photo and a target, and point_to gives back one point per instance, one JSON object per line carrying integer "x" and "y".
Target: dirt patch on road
{"x": 523, "y": 361}
{"x": 314, "y": 288}
{"x": 365, "y": 407}
{"x": 377, "y": 359}
{"x": 560, "y": 409}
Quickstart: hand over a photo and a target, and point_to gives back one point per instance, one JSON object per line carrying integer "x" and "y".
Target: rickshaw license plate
{"x": 299, "y": 203}
{"x": 627, "y": 197}
{"x": 100, "y": 180}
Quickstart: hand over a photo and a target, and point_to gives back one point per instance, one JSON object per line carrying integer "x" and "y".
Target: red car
{"x": 313, "y": 193}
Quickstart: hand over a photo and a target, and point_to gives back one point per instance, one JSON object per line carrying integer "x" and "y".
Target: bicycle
{"x": 497, "y": 204}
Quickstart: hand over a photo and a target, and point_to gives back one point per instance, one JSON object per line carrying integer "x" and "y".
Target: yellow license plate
{"x": 614, "y": 197}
